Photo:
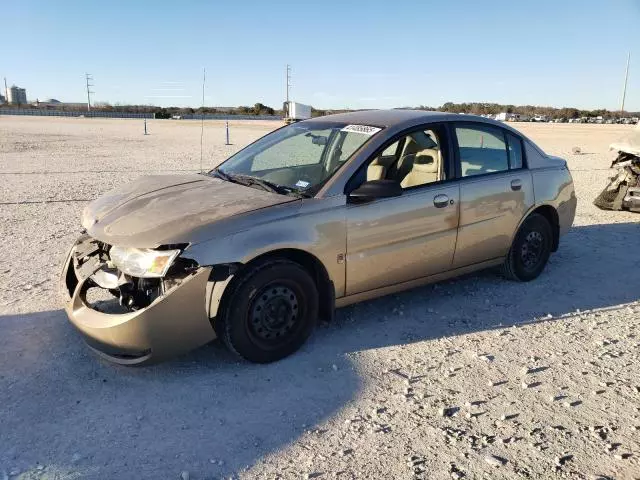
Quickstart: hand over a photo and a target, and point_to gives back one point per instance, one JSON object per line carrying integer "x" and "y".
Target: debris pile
{"x": 623, "y": 190}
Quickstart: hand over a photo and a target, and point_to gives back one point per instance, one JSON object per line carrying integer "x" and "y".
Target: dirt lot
{"x": 473, "y": 378}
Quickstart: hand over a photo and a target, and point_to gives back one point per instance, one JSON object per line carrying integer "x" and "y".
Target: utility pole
{"x": 626, "y": 77}
{"x": 89, "y": 78}
{"x": 288, "y": 81}
{"x": 204, "y": 79}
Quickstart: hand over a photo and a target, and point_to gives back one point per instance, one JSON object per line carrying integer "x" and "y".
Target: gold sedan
{"x": 316, "y": 215}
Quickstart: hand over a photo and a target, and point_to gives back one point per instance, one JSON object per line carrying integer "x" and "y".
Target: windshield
{"x": 298, "y": 158}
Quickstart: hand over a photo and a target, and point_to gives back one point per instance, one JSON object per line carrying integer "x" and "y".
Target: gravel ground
{"x": 473, "y": 378}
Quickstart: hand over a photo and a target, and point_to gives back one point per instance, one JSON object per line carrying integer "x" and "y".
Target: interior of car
{"x": 413, "y": 160}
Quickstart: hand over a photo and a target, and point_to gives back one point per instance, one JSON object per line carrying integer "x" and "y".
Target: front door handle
{"x": 516, "y": 184}
{"x": 441, "y": 201}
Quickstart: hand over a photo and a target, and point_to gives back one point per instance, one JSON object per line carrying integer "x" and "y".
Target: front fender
{"x": 319, "y": 229}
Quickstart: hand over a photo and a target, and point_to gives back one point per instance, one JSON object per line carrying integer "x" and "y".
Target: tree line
{"x": 476, "y": 108}
{"x": 479, "y": 108}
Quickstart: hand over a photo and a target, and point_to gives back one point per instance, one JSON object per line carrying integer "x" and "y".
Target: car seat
{"x": 425, "y": 167}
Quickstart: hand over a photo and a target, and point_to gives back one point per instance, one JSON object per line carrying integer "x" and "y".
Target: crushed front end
{"x": 131, "y": 319}
{"x": 623, "y": 190}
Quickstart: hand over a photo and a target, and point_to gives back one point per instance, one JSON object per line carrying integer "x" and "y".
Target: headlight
{"x": 143, "y": 262}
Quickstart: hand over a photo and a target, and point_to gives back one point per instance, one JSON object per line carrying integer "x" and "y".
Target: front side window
{"x": 482, "y": 150}
{"x": 298, "y": 158}
{"x": 414, "y": 160}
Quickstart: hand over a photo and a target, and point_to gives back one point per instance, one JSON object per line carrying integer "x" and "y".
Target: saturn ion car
{"x": 315, "y": 215}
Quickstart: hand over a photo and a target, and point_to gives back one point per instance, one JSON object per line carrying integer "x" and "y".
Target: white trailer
{"x": 507, "y": 117}
{"x": 294, "y": 112}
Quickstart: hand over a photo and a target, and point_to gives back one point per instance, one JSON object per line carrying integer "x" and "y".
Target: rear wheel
{"x": 271, "y": 311}
{"x": 530, "y": 250}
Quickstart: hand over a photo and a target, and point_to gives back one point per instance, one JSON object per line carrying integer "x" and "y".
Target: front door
{"x": 394, "y": 240}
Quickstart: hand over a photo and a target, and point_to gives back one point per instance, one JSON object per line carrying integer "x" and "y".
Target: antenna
{"x": 89, "y": 78}
{"x": 288, "y": 81}
{"x": 204, "y": 78}
{"x": 626, "y": 77}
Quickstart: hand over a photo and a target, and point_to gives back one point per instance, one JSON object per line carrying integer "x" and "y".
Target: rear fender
{"x": 554, "y": 187}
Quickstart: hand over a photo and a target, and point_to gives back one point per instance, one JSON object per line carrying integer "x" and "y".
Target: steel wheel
{"x": 270, "y": 311}
{"x": 274, "y": 313}
{"x": 531, "y": 250}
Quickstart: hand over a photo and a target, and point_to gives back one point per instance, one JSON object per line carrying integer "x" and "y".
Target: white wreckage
{"x": 623, "y": 190}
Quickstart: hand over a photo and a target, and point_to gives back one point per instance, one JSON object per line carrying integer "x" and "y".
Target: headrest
{"x": 425, "y": 162}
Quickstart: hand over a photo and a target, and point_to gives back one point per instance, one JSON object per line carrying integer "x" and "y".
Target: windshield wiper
{"x": 220, "y": 174}
{"x": 249, "y": 180}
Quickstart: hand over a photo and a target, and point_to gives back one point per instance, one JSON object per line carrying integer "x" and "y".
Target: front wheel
{"x": 530, "y": 250}
{"x": 271, "y": 311}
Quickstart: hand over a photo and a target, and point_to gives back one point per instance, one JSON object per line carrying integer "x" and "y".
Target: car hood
{"x": 165, "y": 209}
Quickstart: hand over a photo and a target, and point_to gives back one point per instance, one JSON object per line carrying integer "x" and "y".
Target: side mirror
{"x": 375, "y": 189}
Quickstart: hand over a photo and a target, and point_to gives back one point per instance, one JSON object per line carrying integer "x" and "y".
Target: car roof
{"x": 402, "y": 118}
{"x": 382, "y": 118}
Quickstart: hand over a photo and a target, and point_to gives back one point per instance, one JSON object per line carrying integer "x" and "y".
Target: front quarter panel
{"x": 318, "y": 228}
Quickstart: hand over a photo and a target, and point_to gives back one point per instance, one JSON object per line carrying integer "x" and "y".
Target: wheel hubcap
{"x": 274, "y": 312}
{"x": 531, "y": 251}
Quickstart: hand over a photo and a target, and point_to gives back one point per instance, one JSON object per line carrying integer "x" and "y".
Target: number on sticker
{"x": 364, "y": 129}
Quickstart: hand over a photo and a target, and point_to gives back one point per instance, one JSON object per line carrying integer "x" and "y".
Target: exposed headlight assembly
{"x": 143, "y": 262}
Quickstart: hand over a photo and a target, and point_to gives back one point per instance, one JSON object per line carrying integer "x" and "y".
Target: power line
{"x": 89, "y": 78}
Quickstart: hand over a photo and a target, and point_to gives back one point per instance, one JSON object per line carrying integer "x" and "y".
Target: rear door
{"x": 394, "y": 240}
{"x": 496, "y": 190}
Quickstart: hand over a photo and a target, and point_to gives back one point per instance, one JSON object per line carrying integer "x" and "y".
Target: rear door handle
{"x": 516, "y": 184}
{"x": 441, "y": 201}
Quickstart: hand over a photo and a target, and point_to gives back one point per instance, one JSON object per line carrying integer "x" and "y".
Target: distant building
{"x": 53, "y": 104}
{"x": 50, "y": 102}
{"x": 17, "y": 95}
{"x": 2, "y": 100}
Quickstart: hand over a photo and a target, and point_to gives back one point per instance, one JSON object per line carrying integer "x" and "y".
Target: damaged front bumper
{"x": 174, "y": 321}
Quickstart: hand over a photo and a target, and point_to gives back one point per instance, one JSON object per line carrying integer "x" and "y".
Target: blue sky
{"x": 344, "y": 54}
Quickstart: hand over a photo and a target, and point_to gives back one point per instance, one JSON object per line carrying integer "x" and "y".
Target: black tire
{"x": 530, "y": 250}
{"x": 270, "y": 312}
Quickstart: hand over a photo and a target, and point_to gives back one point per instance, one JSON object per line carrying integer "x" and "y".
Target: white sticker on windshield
{"x": 302, "y": 184}
{"x": 365, "y": 129}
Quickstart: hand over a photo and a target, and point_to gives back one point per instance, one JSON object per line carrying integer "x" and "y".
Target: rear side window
{"x": 482, "y": 150}
{"x": 515, "y": 151}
